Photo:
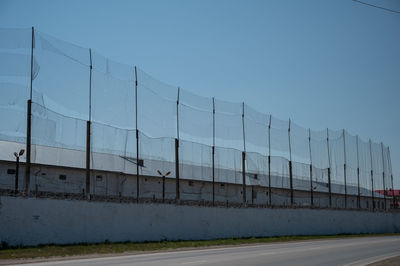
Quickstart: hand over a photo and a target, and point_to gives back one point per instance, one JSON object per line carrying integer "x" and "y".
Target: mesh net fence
{"x": 195, "y": 161}
{"x": 15, "y": 61}
{"x": 73, "y": 85}
{"x": 336, "y": 161}
{"x": 61, "y": 76}
{"x": 228, "y": 125}
{"x": 157, "y": 107}
{"x": 195, "y": 118}
{"x": 300, "y": 155}
{"x": 377, "y": 167}
{"x": 112, "y": 112}
{"x": 57, "y": 139}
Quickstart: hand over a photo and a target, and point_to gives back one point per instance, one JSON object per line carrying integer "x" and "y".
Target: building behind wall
{"x": 69, "y": 182}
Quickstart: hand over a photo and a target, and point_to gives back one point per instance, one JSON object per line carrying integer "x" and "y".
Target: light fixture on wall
{"x": 17, "y": 155}
{"x": 163, "y": 182}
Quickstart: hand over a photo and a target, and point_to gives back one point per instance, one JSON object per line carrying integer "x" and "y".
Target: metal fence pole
{"x": 177, "y": 150}
{"x": 290, "y": 168}
{"x": 29, "y": 123}
{"x": 372, "y": 176}
{"x": 358, "y": 176}
{"x": 177, "y": 195}
{"x": 269, "y": 161}
{"x": 163, "y": 188}
{"x": 329, "y": 168}
{"x": 213, "y": 152}
{"x": 344, "y": 170}
{"x": 28, "y": 146}
{"x": 88, "y": 133}
{"x": 244, "y": 159}
{"x": 311, "y": 181}
{"x": 244, "y": 176}
{"x": 383, "y": 178}
{"x": 137, "y": 136}
{"x": 16, "y": 175}
{"x": 391, "y": 176}
{"x": 88, "y": 129}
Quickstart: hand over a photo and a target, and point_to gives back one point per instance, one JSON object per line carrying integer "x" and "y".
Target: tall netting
{"x": 75, "y": 87}
{"x": 256, "y": 134}
{"x": 377, "y": 166}
{"x": 157, "y": 107}
{"x": 158, "y": 154}
{"x": 300, "y": 153}
{"x": 157, "y": 124}
{"x": 336, "y": 154}
{"x": 195, "y": 114}
{"x": 62, "y": 76}
{"x": 280, "y": 172}
{"x": 228, "y": 125}
{"x": 279, "y": 137}
{"x": 390, "y": 170}
{"x": 113, "y": 112}
{"x": 228, "y": 170}
{"x": 320, "y": 160}
{"x": 195, "y": 161}
{"x": 61, "y": 141}
{"x": 113, "y": 148}
{"x": 256, "y": 130}
{"x": 386, "y": 168}
{"x": 60, "y": 102}
{"x": 228, "y": 165}
{"x": 57, "y": 139}
{"x": 278, "y": 141}
{"x": 299, "y": 141}
{"x": 365, "y": 161}
{"x": 195, "y": 118}
{"x": 352, "y": 163}
{"x": 256, "y": 169}
{"x": 15, "y": 59}
{"x": 113, "y": 92}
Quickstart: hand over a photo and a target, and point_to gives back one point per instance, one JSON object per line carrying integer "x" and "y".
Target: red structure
{"x": 389, "y": 194}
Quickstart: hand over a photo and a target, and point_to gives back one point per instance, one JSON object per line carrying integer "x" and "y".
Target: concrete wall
{"x": 32, "y": 221}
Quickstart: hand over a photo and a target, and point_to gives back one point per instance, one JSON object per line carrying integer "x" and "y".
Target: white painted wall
{"x": 31, "y": 221}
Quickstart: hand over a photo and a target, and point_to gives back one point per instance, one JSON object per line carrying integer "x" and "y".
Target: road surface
{"x": 350, "y": 251}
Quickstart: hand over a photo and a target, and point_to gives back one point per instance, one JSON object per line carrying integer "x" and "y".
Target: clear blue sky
{"x": 322, "y": 63}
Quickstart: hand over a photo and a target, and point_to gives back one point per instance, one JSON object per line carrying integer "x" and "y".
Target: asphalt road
{"x": 350, "y": 251}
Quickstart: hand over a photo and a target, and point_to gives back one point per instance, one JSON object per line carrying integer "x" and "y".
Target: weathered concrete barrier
{"x": 32, "y": 221}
